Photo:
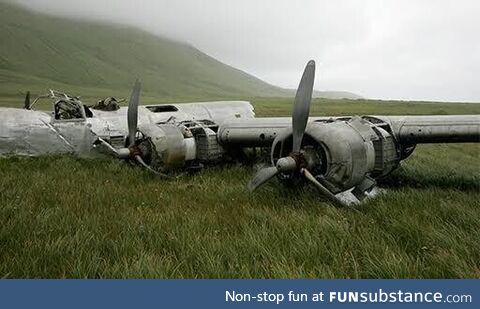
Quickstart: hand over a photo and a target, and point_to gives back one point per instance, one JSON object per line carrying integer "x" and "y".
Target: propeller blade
{"x": 301, "y": 105}
{"x": 100, "y": 140}
{"x": 132, "y": 115}
{"x": 262, "y": 176}
{"x": 320, "y": 187}
{"x": 26, "y": 105}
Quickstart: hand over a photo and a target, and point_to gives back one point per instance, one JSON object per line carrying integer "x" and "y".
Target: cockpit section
{"x": 65, "y": 107}
{"x": 70, "y": 110}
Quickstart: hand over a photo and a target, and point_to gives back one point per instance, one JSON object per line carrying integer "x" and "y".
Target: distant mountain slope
{"x": 336, "y": 95}
{"x": 96, "y": 55}
{"x": 39, "y": 51}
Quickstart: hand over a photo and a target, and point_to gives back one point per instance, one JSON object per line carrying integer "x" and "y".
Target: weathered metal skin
{"x": 215, "y": 111}
{"x": 33, "y": 133}
{"x": 28, "y": 132}
{"x": 407, "y": 130}
{"x": 255, "y": 131}
{"x": 349, "y": 150}
{"x": 435, "y": 129}
{"x": 169, "y": 144}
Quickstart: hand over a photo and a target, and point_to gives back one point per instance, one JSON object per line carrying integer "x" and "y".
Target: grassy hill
{"x": 39, "y": 51}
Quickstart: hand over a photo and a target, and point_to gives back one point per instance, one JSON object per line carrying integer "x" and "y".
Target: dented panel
{"x": 27, "y": 132}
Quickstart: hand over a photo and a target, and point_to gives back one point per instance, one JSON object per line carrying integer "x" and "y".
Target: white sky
{"x": 400, "y": 49}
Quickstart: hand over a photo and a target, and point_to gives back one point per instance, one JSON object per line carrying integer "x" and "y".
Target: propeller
{"x": 133, "y": 151}
{"x": 132, "y": 121}
{"x": 323, "y": 190}
{"x": 262, "y": 176}
{"x": 295, "y": 161}
{"x": 26, "y": 104}
{"x": 301, "y": 110}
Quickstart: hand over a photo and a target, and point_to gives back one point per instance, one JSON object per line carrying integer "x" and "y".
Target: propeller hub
{"x": 299, "y": 158}
{"x": 134, "y": 150}
{"x": 286, "y": 164}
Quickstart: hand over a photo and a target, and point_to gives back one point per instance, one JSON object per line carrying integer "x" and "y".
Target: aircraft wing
{"x": 407, "y": 130}
{"x": 434, "y": 129}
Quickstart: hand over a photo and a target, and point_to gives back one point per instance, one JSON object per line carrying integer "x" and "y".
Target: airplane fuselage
{"x": 343, "y": 152}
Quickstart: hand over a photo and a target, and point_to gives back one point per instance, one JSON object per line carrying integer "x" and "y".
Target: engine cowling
{"x": 166, "y": 147}
{"x": 340, "y": 152}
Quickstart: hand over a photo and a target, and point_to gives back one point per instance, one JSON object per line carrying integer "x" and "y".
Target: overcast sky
{"x": 410, "y": 49}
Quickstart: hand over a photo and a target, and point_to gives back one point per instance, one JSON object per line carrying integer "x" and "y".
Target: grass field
{"x": 75, "y": 218}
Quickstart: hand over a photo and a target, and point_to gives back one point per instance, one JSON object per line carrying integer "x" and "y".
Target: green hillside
{"x": 40, "y": 51}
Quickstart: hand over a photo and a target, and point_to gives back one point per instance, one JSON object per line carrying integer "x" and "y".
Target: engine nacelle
{"x": 342, "y": 152}
{"x": 190, "y": 144}
{"x": 166, "y": 146}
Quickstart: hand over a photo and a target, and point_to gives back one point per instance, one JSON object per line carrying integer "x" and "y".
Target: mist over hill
{"x": 40, "y": 51}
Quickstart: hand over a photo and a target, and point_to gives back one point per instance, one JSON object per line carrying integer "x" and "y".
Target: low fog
{"x": 390, "y": 49}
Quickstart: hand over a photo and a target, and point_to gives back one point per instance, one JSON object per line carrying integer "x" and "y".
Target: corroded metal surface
{"x": 435, "y": 129}
{"x": 29, "y": 132}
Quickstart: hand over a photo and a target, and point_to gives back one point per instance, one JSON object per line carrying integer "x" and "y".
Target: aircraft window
{"x": 67, "y": 110}
{"x": 162, "y": 108}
